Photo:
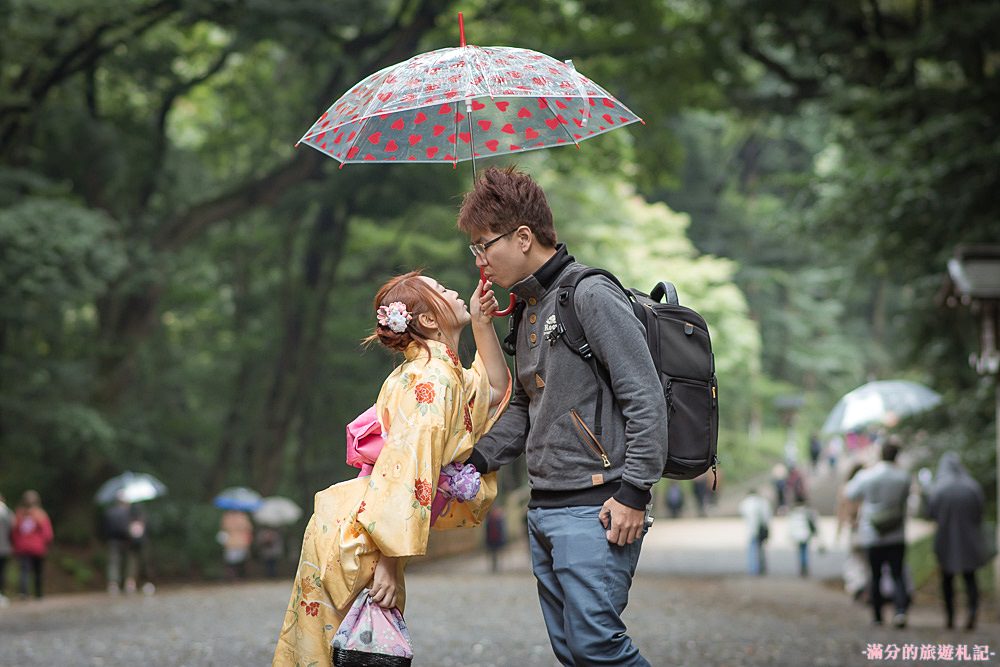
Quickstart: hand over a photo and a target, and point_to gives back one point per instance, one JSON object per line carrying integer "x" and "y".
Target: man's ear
{"x": 525, "y": 238}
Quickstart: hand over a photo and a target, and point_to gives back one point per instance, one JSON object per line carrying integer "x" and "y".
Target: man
{"x": 116, "y": 522}
{"x": 587, "y": 512}
{"x": 883, "y": 490}
{"x": 756, "y": 512}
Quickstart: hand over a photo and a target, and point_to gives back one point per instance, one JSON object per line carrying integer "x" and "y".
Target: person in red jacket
{"x": 31, "y": 536}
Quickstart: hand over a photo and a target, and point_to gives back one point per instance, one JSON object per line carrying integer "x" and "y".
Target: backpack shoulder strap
{"x": 509, "y": 343}
{"x": 570, "y": 327}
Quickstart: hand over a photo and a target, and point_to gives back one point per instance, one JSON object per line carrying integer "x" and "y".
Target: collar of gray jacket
{"x": 541, "y": 280}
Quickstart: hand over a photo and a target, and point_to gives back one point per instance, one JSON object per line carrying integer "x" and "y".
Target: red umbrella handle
{"x": 510, "y": 306}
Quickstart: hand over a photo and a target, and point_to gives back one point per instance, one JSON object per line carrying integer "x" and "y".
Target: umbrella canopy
{"x": 462, "y": 103}
{"x": 879, "y": 402}
{"x": 277, "y": 511}
{"x": 131, "y": 487}
{"x": 237, "y": 498}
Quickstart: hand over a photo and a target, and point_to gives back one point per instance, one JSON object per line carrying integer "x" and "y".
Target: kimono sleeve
{"x": 417, "y": 411}
{"x": 477, "y": 390}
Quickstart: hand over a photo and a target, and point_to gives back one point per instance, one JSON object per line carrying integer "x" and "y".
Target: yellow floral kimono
{"x": 433, "y": 412}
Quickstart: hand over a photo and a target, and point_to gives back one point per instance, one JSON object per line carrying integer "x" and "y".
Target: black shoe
{"x": 899, "y": 620}
{"x": 971, "y": 623}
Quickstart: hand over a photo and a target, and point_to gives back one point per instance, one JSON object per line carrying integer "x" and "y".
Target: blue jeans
{"x": 583, "y": 583}
{"x": 756, "y": 560}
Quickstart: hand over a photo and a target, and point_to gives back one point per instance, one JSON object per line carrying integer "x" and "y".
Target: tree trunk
{"x": 294, "y": 367}
{"x": 125, "y": 319}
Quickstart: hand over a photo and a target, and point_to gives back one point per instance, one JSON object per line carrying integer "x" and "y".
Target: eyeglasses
{"x": 479, "y": 249}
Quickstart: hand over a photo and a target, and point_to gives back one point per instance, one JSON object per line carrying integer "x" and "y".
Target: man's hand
{"x": 625, "y": 524}
{"x": 385, "y": 589}
{"x": 483, "y": 303}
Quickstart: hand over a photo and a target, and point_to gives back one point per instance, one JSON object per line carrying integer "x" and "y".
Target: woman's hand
{"x": 385, "y": 588}
{"x": 483, "y": 303}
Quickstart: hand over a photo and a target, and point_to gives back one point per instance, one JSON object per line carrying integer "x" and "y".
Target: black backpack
{"x": 681, "y": 349}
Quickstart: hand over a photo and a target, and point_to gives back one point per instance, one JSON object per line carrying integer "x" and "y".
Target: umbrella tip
{"x": 461, "y": 30}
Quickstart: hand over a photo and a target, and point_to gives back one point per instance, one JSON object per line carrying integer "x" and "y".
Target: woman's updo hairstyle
{"x": 418, "y": 297}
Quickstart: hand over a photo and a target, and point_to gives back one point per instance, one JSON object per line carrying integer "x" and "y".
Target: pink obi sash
{"x": 457, "y": 481}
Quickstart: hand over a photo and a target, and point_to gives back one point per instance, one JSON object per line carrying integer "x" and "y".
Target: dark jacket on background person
{"x": 551, "y": 381}
{"x": 955, "y": 502}
{"x": 116, "y": 521}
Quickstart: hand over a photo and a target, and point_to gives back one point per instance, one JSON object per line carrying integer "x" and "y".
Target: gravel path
{"x": 461, "y": 615}
{"x": 473, "y": 620}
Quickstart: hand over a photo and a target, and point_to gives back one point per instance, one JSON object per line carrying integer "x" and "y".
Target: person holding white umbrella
{"x": 124, "y": 528}
{"x": 125, "y": 532}
{"x": 273, "y": 513}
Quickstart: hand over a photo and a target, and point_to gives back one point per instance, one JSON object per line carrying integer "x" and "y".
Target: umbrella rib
{"x": 565, "y": 129}
{"x": 580, "y": 89}
{"x": 353, "y": 143}
{"x": 473, "y": 62}
{"x": 486, "y": 80}
{"x": 454, "y": 158}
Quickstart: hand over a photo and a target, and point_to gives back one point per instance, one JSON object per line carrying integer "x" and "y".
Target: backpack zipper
{"x": 592, "y": 442}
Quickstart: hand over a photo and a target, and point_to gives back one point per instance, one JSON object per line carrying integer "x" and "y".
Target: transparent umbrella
{"x": 132, "y": 487}
{"x": 277, "y": 511}
{"x": 881, "y": 402}
{"x": 465, "y": 103}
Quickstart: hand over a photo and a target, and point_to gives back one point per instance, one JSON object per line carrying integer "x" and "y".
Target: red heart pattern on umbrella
{"x": 484, "y": 100}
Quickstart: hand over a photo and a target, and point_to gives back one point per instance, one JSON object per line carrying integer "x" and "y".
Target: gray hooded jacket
{"x": 955, "y": 501}
{"x": 564, "y": 468}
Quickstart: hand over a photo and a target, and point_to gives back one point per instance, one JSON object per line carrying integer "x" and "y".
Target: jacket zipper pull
{"x": 605, "y": 461}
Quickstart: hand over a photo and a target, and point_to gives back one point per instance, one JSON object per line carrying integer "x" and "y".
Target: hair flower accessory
{"x": 394, "y": 316}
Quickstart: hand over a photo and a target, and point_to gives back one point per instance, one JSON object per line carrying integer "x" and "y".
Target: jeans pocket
{"x": 583, "y": 511}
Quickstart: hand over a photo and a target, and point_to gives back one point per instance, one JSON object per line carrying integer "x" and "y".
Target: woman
{"x": 855, "y": 567}
{"x": 31, "y": 536}
{"x": 955, "y": 502}
{"x": 432, "y": 411}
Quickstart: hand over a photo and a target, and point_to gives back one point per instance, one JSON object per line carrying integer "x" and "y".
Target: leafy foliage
{"x": 184, "y": 292}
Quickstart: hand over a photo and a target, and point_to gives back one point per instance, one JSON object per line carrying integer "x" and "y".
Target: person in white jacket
{"x": 756, "y": 512}
{"x": 802, "y": 527}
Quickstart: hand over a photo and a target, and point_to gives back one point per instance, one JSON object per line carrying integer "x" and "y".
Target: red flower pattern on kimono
{"x": 468, "y": 419}
{"x": 454, "y": 357}
{"x": 422, "y": 490}
{"x": 424, "y": 392}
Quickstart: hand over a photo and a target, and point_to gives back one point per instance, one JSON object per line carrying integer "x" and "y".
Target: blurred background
{"x": 183, "y": 293}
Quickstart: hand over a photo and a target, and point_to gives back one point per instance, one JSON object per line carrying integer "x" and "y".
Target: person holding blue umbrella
{"x": 235, "y": 535}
